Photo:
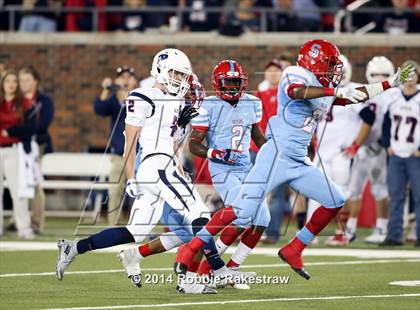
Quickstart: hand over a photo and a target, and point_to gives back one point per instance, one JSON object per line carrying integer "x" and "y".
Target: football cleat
{"x": 187, "y": 286}
{"x": 130, "y": 259}
{"x": 377, "y": 237}
{"x": 294, "y": 259}
{"x": 67, "y": 251}
{"x": 228, "y": 276}
{"x": 339, "y": 239}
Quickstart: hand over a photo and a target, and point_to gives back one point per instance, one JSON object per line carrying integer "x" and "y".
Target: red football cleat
{"x": 294, "y": 259}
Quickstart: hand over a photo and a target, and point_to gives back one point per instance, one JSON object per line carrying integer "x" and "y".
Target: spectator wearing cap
{"x": 285, "y": 59}
{"x": 29, "y": 82}
{"x": 110, "y": 103}
{"x": 278, "y": 203}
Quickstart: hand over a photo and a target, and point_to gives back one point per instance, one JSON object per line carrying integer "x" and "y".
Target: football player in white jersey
{"x": 401, "y": 138}
{"x": 330, "y": 146}
{"x": 369, "y": 157}
{"x": 154, "y": 116}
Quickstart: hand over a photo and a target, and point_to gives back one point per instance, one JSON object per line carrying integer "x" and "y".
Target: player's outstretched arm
{"x": 257, "y": 135}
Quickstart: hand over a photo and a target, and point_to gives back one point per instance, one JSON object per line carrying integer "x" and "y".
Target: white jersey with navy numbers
{"x": 404, "y": 115}
{"x": 296, "y": 119}
{"x": 229, "y": 127}
{"x": 379, "y": 105}
{"x": 338, "y": 128}
{"x": 156, "y": 113}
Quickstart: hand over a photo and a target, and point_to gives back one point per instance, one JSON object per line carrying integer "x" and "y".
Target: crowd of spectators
{"x": 234, "y": 18}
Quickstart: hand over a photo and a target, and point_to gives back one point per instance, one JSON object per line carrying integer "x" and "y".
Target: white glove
{"x": 406, "y": 74}
{"x": 132, "y": 188}
{"x": 351, "y": 94}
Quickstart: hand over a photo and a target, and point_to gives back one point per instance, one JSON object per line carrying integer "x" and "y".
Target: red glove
{"x": 351, "y": 151}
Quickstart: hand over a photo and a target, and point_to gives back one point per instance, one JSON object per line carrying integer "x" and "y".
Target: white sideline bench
{"x": 62, "y": 165}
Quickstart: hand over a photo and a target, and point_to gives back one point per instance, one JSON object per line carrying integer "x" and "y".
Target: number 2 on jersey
{"x": 237, "y": 136}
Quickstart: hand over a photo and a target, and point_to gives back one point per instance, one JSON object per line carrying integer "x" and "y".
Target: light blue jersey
{"x": 282, "y": 158}
{"x": 229, "y": 127}
{"x": 296, "y": 120}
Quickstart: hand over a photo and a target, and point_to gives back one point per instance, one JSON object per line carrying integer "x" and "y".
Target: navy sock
{"x": 300, "y": 217}
{"x": 209, "y": 249}
{"x": 105, "y": 239}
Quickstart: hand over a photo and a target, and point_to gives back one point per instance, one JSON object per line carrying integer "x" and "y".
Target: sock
{"x": 321, "y": 217}
{"x": 241, "y": 253}
{"x": 351, "y": 225}
{"x": 195, "y": 264}
{"x": 300, "y": 218}
{"x": 229, "y": 234}
{"x": 105, "y": 239}
{"x": 144, "y": 250}
{"x": 204, "y": 268}
{"x": 212, "y": 256}
{"x": 221, "y": 247}
{"x": 220, "y": 219}
{"x": 382, "y": 224}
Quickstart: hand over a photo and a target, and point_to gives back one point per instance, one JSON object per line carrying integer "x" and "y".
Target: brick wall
{"x": 72, "y": 75}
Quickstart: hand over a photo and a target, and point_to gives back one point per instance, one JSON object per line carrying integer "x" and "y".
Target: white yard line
{"x": 343, "y": 252}
{"x": 356, "y": 262}
{"x": 243, "y": 301}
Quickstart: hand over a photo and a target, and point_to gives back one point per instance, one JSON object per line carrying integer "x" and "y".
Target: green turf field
{"x": 103, "y": 285}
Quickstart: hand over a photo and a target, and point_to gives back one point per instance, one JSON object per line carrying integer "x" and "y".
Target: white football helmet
{"x": 378, "y": 69}
{"x": 172, "y": 68}
{"x": 347, "y": 70}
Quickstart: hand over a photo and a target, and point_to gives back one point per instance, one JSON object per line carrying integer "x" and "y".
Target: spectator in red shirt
{"x": 79, "y": 21}
{"x": 17, "y": 125}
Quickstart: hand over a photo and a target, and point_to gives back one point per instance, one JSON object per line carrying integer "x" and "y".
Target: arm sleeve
{"x": 139, "y": 108}
{"x": 26, "y": 130}
{"x": 386, "y": 130}
{"x": 202, "y": 121}
{"x": 102, "y": 107}
{"x": 292, "y": 80}
{"x": 46, "y": 115}
{"x": 367, "y": 115}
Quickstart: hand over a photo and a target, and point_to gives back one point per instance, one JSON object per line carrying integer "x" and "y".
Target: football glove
{"x": 132, "y": 188}
{"x": 351, "y": 94}
{"x": 351, "y": 150}
{"x": 186, "y": 115}
{"x": 228, "y": 156}
{"x": 403, "y": 75}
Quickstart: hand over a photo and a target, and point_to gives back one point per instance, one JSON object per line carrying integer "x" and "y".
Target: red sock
{"x": 251, "y": 237}
{"x": 321, "y": 217}
{"x": 220, "y": 219}
{"x": 144, "y": 250}
{"x": 196, "y": 244}
{"x": 232, "y": 264}
{"x": 193, "y": 267}
{"x": 229, "y": 234}
{"x": 204, "y": 267}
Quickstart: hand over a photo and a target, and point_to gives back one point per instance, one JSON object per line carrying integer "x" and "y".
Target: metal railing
{"x": 263, "y": 13}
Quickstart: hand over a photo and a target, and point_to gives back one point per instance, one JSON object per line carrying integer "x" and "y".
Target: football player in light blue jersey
{"x": 306, "y": 91}
{"x": 227, "y": 122}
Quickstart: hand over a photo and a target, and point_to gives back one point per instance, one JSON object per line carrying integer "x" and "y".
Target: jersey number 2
{"x": 237, "y": 136}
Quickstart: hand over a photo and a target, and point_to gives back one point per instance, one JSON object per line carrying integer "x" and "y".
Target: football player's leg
{"x": 380, "y": 192}
{"x": 314, "y": 184}
{"x": 277, "y": 206}
{"x": 251, "y": 236}
{"x": 413, "y": 164}
{"x": 256, "y": 185}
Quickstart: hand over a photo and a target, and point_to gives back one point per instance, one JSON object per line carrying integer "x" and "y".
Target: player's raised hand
{"x": 186, "y": 115}
{"x": 403, "y": 75}
{"x": 132, "y": 188}
{"x": 350, "y": 94}
{"x": 228, "y": 156}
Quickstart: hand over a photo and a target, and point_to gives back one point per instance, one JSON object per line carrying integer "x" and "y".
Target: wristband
{"x": 329, "y": 91}
{"x": 210, "y": 153}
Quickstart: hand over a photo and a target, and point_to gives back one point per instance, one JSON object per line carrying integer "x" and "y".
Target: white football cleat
{"x": 378, "y": 236}
{"x": 189, "y": 285}
{"x": 130, "y": 259}
{"x": 229, "y": 276}
{"x": 67, "y": 251}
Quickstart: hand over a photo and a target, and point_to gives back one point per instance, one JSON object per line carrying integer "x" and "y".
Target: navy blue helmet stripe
{"x": 145, "y": 98}
{"x": 165, "y": 180}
